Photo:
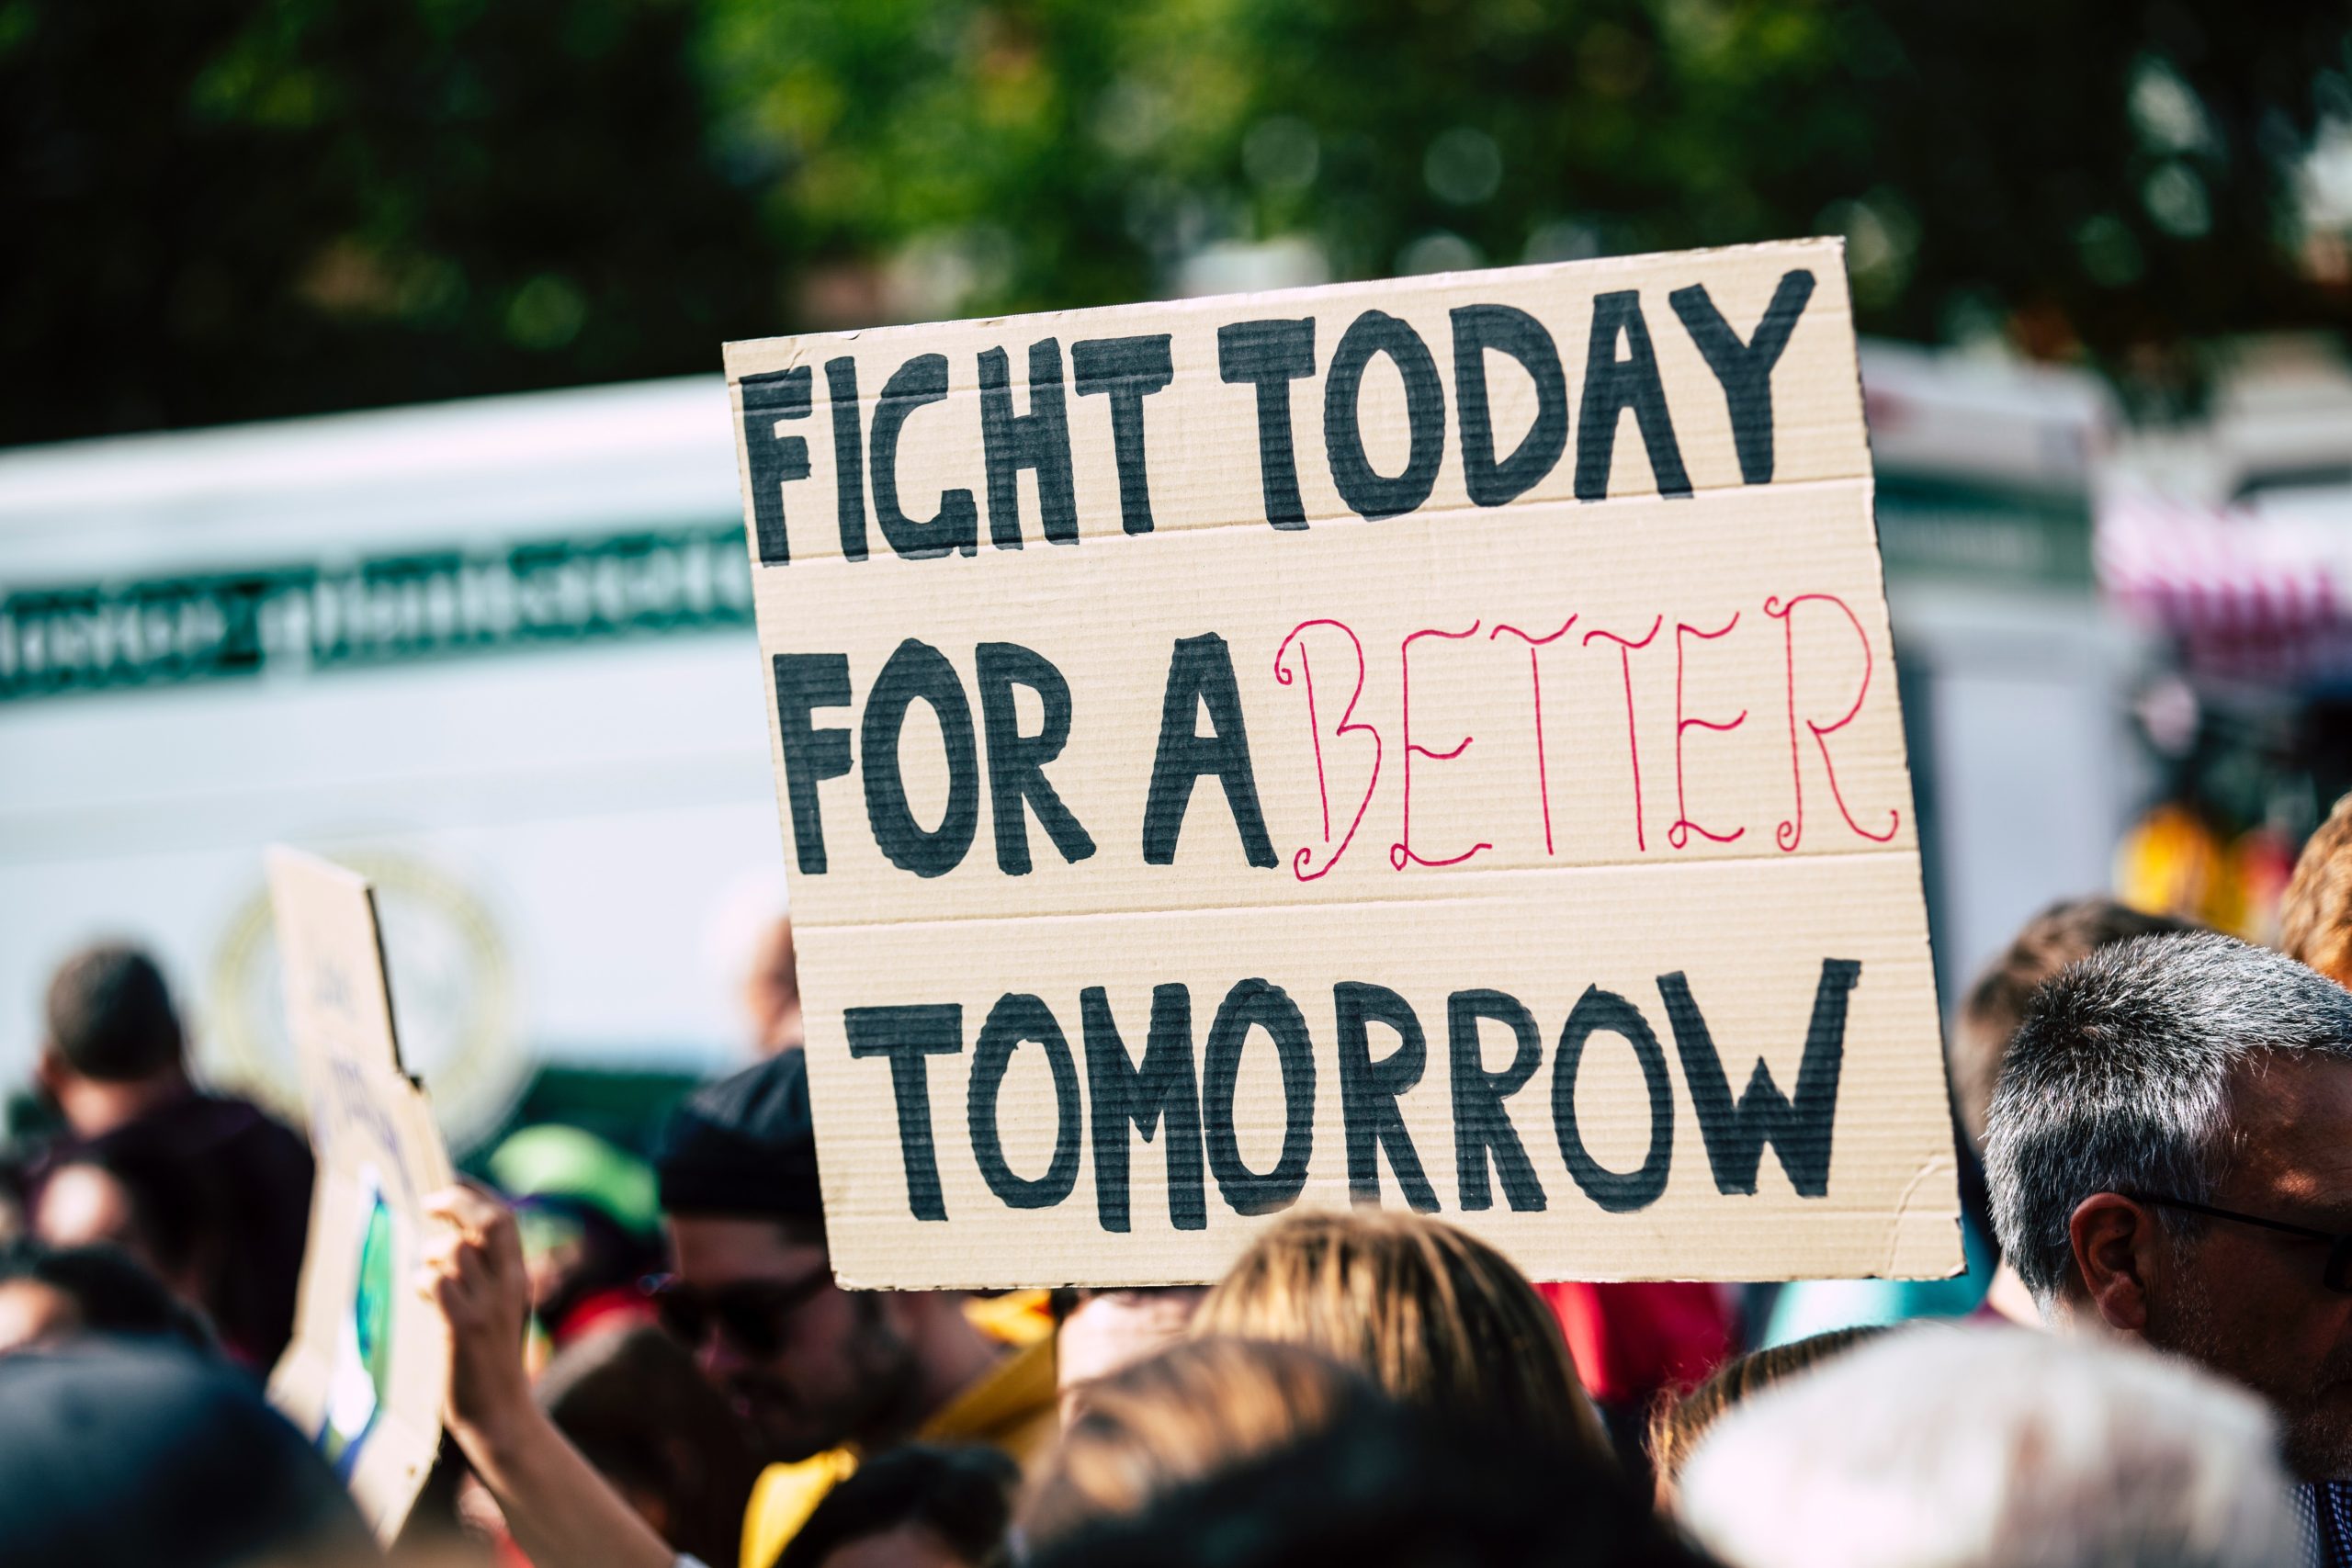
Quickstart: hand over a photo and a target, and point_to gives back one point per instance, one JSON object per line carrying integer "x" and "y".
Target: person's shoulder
{"x": 1013, "y": 1406}
{"x": 224, "y": 1127}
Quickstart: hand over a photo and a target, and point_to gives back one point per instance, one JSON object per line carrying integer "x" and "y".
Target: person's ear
{"x": 51, "y": 1072}
{"x": 2114, "y": 1243}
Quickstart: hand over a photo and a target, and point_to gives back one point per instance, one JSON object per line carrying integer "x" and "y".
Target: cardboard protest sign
{"x": 369, "y": 1365}
{"x": 1432, "y": 742}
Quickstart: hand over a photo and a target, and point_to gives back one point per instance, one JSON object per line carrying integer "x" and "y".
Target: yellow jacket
{"x": 1012, "y": 1408}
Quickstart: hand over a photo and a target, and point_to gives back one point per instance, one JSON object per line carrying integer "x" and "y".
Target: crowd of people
{"x": 2149, "y": 1360}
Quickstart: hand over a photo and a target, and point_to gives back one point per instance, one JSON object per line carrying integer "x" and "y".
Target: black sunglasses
{"x": 2338, "y": 1273}
{"x": 755, "y": 1314}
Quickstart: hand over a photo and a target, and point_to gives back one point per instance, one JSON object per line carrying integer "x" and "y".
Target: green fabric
{"x": 555, "y": 1161}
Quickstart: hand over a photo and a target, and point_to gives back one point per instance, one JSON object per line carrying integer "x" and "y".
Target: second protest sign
{"x": 1430, "y": 742}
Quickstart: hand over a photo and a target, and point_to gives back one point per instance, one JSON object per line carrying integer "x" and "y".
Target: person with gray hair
{"x": 1993, "y": 1448}
{"x": 2169, "y": 1155}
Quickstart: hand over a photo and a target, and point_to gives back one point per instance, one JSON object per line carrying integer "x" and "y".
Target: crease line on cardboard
{"x": 806, "y": 921}
{"x": 1534, "y": 511}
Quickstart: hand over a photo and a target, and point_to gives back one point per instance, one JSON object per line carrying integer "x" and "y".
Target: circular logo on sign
{"x": 453, "y": 1004}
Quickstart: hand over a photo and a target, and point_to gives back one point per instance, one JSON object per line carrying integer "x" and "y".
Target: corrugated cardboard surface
{"x": 372, "y": 1133}
{"x": 1763, "y": 610}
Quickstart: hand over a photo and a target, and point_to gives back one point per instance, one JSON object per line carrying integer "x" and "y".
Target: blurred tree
{"x": 217, "y": 209}
{"x": 2115, "y": 177}
{"x": 221, "y": 208}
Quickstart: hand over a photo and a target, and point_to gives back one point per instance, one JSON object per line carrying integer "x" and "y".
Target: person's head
{"x": 918, "y": 1506}
{"x": 2190, "y": 1070}
{"x": 142, "y": 1203}
{"x": 1098, "y": 1332}
{"x": 2068, "y": 930}
{"x": 115, "y": 1456}
{"x": 1679, "y": 1421}
{"x": 811, "y": 1366}
{"x": 50, "y": 1296}
{"x": 1431, "y": 1313}
{"x": 1391, "y": 1488}
{"x": 1993, "y": 1448}
{"x": 109, "y": 1020}
{"x": 772, "y": 989}
{"x": 1175, "y": 1419}
{"x": 634, "y": 1404}
{"x": 588, "y": 1213}
{"x": 2315, "y": 916}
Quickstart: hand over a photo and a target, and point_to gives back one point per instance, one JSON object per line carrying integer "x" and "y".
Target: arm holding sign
{"x": 562, "y": 1512}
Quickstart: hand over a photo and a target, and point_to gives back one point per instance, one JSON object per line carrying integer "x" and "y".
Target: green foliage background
{"x": 217, "y": 209}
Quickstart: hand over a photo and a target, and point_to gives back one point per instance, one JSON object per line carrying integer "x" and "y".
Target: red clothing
{"x": 1631, "y": 1340}
{"x": 617, "y": 1307}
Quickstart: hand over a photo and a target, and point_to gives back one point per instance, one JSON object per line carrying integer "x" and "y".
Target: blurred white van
{"x": 497, "y": 654}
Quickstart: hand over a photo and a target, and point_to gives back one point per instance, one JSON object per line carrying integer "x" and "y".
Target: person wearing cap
{"x": 820, "y": 1374}
{"x": 591, "y": 1229}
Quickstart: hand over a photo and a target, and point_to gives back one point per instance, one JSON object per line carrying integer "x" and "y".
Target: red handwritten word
{"x": 1401, "y": 854}
{"x": 1679, "y": 834}
{"x": 1685, "y": 829}
{"x": 1633, "y": 741}
{"x": 1535, "y": 675}
{"x": 1304, "y": 858}
{"x": 1791, "y": 834}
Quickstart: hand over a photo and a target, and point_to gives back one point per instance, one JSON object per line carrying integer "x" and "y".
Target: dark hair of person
{"x": 2069, "y": 930}
{"x": 110, "y": 1015}
{"x": 962, "y": 1496}
{"x": 1398, "y": 1487}
{"x": 169, "y": 1207}
{"x": 125, "y": 1456}
{"x": 1678, "y": 1421}
{"x": 635, "y": 1405}
{"x": 111, "y": 1295}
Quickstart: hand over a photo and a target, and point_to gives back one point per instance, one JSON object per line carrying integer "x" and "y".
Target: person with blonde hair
{"x": 1678, "y": 1422}
{"x": 2315, "y": 915}
{"x": 1179, "y": 1417}
{"x": 1433, "y": 1315}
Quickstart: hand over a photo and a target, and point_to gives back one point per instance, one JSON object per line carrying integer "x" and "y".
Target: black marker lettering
{"x": 1506, "y": 329}
{"x": 1017, "y": 761}
{"x": 1158, "y": 1096}
{"x": 1256, "y": 1004}
{"x": 849, "y": 455}
{"x": 1481, "y": 1125}
{"x": 1612, "y": 386}
{"x": 1368, "y": 1091}
{"x": 1126, "y": 370}
{"x": 774, "y": 460}
{"x": 1598, "y": 1012}
{"x": 920, "y": 672}
{"x": 907, "y": 1035}
{"x": 1798, "y": 1128}
{"x": 1199, "y": 671}
{"x": 1368, "y": 493}
{"x": 1038, "y": 440}
{"x": 1272, "y": 354}
{"x": 805, "y": 681}
{"x": 1013, "y": 1020}
{"x": 957, "y": 524}
{"x": 1746, "y": 368}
